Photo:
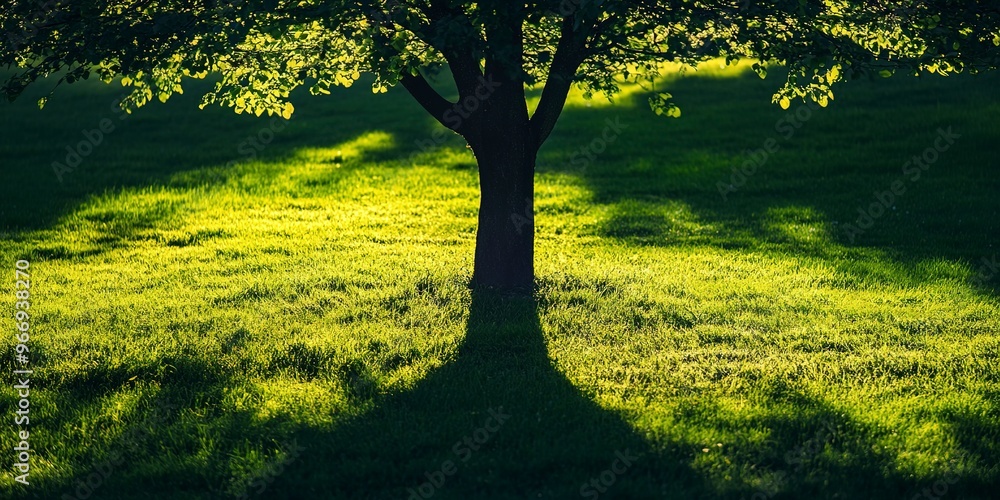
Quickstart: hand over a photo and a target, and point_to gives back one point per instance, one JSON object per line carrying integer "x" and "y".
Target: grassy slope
{"x": 739, "y": 348}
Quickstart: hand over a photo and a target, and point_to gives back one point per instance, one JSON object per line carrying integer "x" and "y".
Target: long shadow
{"x": 557, "y": 438}
{"x": 501, "y": 421}
{"x": 798, "y": 201}
{"x": 122, "y": 453}
{"x": 819, "y": 177}
{"x": 498, "y": 421}
{"x": 171, "y": 146}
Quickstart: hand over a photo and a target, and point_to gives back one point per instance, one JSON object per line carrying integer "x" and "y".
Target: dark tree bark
{"x": 492, "y": 115}
{"x": 505, "y": 237}
{"x": 501, "y": 137}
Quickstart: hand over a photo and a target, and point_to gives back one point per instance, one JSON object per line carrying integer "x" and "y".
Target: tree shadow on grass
{"x": 172, "y": 146}
{"x": 499, "y": 421}
{"x": 124, "y": 443}
{"x": 557, "y": 438}
{"x": 829, "y": 163}
{"x": 831, "y": 166}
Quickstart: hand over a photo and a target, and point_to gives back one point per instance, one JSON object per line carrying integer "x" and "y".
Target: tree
{"x": 495, "y": 50}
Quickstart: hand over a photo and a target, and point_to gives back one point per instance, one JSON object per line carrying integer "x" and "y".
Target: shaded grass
{"x": 317, "y": 292}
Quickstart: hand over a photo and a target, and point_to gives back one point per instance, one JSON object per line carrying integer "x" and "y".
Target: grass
{"x": 191, "y": 321}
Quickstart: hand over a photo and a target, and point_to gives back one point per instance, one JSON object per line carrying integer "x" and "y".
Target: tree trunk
{"x": 506, "y": 234}
{"x": 505, "y": 151}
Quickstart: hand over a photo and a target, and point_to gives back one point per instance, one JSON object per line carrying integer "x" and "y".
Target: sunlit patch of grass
{"x": 797, "y": 225}
{"x": 350, "y": 151}
{"x": 321, "y": 287}
{"x": 670, "y": 73}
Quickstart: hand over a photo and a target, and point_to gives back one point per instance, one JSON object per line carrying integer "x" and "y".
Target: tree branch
{"x": 430, "y": 100}
{"x": 567, "y": 59}
{"x": 443, "y": 18}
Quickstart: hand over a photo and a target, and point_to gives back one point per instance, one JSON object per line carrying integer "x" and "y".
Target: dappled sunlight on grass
{"x": 638, "y": 222}
{"x": 319, "y": 292}
{"x": 291, "y": 400}
{"x": 349, "y": 151}
{"x": 802, "y": 226}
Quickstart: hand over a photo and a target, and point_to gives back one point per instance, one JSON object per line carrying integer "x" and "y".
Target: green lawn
{"x": 189, "y": 321}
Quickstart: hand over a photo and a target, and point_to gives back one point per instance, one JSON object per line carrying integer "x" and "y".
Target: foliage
{"x": 263, "y": 49}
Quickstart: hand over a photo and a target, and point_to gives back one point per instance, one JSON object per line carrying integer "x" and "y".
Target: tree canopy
{"x": 263, "y": 49}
